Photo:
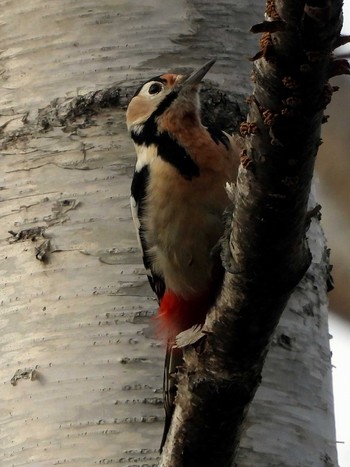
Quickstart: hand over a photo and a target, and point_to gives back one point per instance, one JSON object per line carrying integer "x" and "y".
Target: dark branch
{"x": 266, "y": 249}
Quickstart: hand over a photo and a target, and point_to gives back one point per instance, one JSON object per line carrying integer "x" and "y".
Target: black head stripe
{"x": 168, "y": 148}
{"x": 170, "y": 151}
{"x": 165, "y": 104}
{"x": 148, "y": 133}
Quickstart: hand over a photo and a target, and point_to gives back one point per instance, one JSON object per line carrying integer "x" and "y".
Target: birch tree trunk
{"x": 81, "y": 370}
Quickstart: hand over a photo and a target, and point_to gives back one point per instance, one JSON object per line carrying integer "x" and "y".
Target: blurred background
{"x": 333, "y": 193}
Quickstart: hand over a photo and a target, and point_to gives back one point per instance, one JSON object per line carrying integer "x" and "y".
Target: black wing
{"x": 173, "y": 357}
{"x": 219, "y": 136}
{"x": 137, "y": 203}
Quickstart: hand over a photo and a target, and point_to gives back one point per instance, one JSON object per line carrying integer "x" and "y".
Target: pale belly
{"x": 184, "y": 223}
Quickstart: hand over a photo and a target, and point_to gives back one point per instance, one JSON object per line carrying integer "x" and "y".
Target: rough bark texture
{"x": 288, "y": 422}
{"x": 267, "y": 244}
{"x": 80, "y": 369}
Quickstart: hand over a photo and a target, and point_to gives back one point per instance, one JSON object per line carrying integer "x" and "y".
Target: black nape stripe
{"x": 170, "y": 151}
{"x": 148, "y": 133}
{"x": 145, "y": 135}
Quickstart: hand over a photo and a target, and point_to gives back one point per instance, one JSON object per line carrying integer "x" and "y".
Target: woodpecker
{"x": 178, "y": 198}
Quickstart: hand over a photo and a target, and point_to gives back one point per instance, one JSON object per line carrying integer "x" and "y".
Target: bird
{"x": 177, "y": 200}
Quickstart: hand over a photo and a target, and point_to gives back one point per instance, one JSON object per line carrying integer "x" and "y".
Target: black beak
{"x": 196, "y": 76}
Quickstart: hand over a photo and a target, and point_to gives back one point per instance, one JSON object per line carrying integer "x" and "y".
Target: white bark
{"x": 81, "y": 320}
{"x": 78, "y": 320}
{"x": 292, "y": 411}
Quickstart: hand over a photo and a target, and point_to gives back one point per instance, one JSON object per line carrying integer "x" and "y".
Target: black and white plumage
{"x": 177, "y": 200}
{"x": 137, "y": 202}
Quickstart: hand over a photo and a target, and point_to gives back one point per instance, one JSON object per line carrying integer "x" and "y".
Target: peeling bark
{"x": 268, "y": 250}
{"x": 76, "y": 329}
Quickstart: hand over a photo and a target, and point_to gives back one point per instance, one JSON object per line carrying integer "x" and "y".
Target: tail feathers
{"x": 173, "y": 359}
{"x": 176, "y": 314}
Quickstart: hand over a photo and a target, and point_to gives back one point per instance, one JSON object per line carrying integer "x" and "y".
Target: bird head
{"x": 175, "y": 92}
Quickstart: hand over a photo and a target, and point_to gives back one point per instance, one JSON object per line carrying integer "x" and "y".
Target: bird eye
{"x": 155, "y": 88}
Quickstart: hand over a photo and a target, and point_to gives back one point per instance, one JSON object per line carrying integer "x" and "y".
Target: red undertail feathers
{"x": 177, "y": 314}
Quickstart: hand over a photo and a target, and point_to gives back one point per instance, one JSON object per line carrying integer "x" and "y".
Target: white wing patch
{"x": 145, "y": 155}
{"x": 137, "y": 224}
{"x": 135, "y": 218}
